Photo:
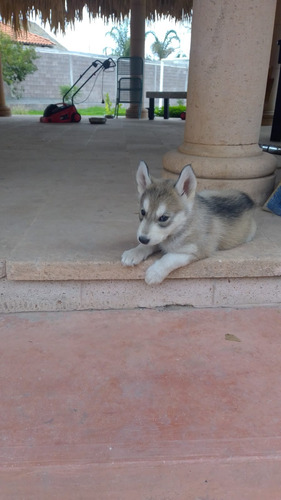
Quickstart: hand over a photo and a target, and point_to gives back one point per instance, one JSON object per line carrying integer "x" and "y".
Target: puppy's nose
{"x": 144, "y": 240}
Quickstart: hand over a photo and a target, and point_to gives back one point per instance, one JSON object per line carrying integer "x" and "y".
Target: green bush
{"x": 109, "y": 110}
{"x": 174, "y": 111}
{"x": 66, "y": 88}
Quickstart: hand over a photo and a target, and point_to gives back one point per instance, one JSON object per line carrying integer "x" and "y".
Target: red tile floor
{"x": 141, "y": 405}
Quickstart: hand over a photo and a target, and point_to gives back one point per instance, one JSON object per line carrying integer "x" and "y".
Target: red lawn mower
{"x": 66, "y": 113}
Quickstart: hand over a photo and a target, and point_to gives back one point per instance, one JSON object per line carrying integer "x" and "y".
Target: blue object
{"x": 274, "y": 201}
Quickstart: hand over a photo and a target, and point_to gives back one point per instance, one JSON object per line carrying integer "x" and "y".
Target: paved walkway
{"x": 141, "y": 405}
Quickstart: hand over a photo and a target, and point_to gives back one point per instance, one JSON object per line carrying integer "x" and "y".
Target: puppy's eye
{"x": 163, "y": 218}
{"x": 142, "y": 212}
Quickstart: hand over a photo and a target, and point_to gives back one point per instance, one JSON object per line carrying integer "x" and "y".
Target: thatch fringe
{"x": 60, "y": 12}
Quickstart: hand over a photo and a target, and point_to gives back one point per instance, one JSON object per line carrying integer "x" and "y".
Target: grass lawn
{"x": 175, "y": 111}
{"x": 92, "y": 111}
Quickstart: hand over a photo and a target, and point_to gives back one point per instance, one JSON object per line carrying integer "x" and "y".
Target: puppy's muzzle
{"x": 144, "y": 240}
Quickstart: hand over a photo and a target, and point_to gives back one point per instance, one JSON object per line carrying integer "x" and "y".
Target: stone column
{"x": 137, "y": 45}
{"x": 229, "y": 59}
{"x": 4, "y": 110}
{"x": 273, "y": 72}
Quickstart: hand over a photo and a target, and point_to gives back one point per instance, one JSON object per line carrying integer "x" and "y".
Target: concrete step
{"x": 244, "y": 276}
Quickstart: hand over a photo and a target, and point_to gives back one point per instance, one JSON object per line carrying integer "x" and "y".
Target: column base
{"x": 144, "y": 113}
{"x": 133, "y": 112}
{"x": 5, "y": 111}
{"x": 254, "y": 175}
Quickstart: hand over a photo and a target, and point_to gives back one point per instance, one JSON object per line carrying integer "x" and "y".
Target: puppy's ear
{"x": 186, "y": 183}
{"x": 143, "y": 177}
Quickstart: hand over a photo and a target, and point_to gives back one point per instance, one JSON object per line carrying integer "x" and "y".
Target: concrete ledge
{"x": 106, "y": 294}
{"x": 247, "y": 275}
{"x": 222, "y": 265}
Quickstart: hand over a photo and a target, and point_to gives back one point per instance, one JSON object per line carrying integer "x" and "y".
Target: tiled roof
{"x": 26, "y": 38}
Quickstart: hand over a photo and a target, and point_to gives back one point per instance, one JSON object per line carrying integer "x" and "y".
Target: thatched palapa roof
{"x": 60, "y": 12}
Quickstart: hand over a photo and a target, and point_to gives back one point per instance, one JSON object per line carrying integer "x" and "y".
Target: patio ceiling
{"x": 60, "y": 12}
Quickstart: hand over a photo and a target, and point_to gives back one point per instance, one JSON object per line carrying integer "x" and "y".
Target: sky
{"x": 90, "y": 36}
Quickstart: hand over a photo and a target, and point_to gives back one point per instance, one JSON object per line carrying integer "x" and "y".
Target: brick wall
{"x": 57, "y": 68}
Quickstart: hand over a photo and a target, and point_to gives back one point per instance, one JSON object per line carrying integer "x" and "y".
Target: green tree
{"x": 164, "y": 48}
{"x": 120, "y": 35}
{"x": 17, "y": 62}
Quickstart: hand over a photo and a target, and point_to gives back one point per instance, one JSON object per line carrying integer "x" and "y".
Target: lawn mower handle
{"x": 108, "y": 63}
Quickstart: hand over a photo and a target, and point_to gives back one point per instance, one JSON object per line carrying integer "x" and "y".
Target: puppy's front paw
{"x": 131, "y": 257}
{"x": 154, "y": 274}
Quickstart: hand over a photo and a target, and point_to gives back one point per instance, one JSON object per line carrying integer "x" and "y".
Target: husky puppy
{"x": 186, "y": 226}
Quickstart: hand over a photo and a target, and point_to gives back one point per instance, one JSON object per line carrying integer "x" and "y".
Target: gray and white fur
{"x": 186, "y": 226}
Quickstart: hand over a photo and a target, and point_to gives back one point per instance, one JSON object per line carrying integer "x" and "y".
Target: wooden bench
{"x": 162, "y": 95}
